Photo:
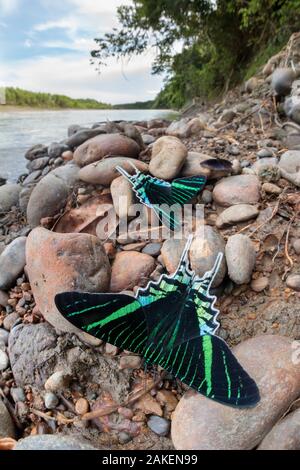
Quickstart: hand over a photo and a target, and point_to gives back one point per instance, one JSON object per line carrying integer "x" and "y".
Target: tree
{"x": 217, "y": 39}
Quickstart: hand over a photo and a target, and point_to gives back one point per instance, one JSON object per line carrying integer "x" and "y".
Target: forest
{"x": 202, "y": 47}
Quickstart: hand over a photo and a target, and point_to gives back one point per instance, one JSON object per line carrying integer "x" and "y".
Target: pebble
{"x": 11, "y": 320}
{"x": 240, "y": 189}
{"x": 152, "y": 249}
{"x": 111, "y": 350}
{"x": 236, "y": 214}
{"x": 57, "y": 381}
{"x": 12, "y": 262}
{"x": 293, "y": 282}
{"x": 271, "y": 188}
{"x": 260, "y": 284}
{"x": 148, "y": 139}
{"x": 124, "y": 438}
{"x": 82, "y": 406}
{"x": 130, "y": 362}
{"x": 4, "y": 361}
{"x": 290, "y": 161}
{"x": 168, "y": 157}
{"x": 241, "y": 258}
{"x": 4, "y": 335}
{"x": 17, "y": 394}
{"x": 202, "y": 424}
{"x": 51, "y": 400}
{"x": 296, "y": 246}
{"x": 265, "y": 153}
{"x": 9, "y": 196}
{"x": 285, "y": 435}
{"x": 129, "y": 269}
{"x": 206, "y": 197}
{"x": 159, "y": 426}
{"x": 234, "y": 150}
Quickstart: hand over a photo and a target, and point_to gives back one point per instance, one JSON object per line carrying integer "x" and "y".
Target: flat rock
{"x": 240, "y": 257}
{"x": 37, "y": 151}
{"x": 285, "y": 435}
{"x": 7, "y": 428}
{"x": 38, "y": 164}
{"x": 129, "y": 269}
{"x": 12, "y": 262}
{"x": 50, "y": 194}
{"x": 104, "y": 172}
{"x": 236, "y": 214}
{"x": 99, "y": 147}
{"x": 55, "y": 150}
{"x": 202, "y": 424}
{"x": 168, "y": 157}
{"x": 240, "y": 189}
{"x": 53, "y": 442}
{"x": 9, "y": 196}
{"x": 290, "y": 161}
{"x": 63, "y": 262}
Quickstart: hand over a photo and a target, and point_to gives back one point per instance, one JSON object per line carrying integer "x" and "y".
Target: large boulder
{"x": 104, "y": 172}
{"x": 12, "y": 262}
{"x": 202, "y": 424}
{"x": 99, "y": 147}
{"x": 63, "y": 262}
{"x": 50, "y": 194}
{"x": 241, "y": 189}
{"x": 168, "y": 157}
{"x": 9, "y": 196}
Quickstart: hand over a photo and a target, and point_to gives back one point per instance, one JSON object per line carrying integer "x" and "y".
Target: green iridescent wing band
{"x": 166, "y": 199}
{"x": 114, "y": 318}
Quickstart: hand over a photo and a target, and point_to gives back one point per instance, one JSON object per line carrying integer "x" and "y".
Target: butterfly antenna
{"x": 210, "y": 275}
{"x": 124, "y": 173}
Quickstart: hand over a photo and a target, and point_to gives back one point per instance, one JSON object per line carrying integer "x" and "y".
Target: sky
{"x": 45, "y": 46}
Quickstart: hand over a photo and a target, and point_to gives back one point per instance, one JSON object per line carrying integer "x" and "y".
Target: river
{"x": 20, "y": 130}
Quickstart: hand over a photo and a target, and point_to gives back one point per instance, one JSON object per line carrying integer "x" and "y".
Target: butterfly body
{"x": 165, "y": 198}
{"x": 172, "y": 324}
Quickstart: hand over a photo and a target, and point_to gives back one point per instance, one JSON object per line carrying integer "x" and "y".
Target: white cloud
{"x": 7, "y": 7}
{"x": 75, "y": 77}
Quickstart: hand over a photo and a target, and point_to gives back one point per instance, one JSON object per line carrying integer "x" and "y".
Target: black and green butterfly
{"x": 171, "y": 323}
{"x": 166, "y": 199}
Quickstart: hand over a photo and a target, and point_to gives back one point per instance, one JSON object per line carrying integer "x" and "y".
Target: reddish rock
{"x": 241, "y": 189}
{"x": 202, "y": 424}
{"x": 64, "y": 262}
{"x": 100, "y": 146}
{"x": 130, "y": 269}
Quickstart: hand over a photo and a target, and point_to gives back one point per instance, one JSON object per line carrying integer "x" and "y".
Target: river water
{"x": 20, "y": 130}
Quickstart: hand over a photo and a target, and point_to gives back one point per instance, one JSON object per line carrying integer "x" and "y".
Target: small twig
{"x": 286, "y": 247}
{"x": 67, "y": 403}
{"x": 43, "y": 415}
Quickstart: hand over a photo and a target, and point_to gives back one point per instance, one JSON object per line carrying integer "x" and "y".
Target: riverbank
{"x": 53, "y": 375}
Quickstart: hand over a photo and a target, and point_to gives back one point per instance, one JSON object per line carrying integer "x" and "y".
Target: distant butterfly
{"x": 171, "y": 323}
{"x": 161, "y": 195}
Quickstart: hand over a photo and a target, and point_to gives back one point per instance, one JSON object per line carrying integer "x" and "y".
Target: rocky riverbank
{"x": 55, "y": 380}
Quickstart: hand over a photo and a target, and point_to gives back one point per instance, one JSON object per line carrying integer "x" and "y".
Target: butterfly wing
{"x": 185, "y": 189}
{"x": 207, "y": 365}
{"x": 115, "y": 318}
{"x": 169, "y": 310}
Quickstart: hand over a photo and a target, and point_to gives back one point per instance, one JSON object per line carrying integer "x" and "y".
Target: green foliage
{"x": 136, "y": 105}
{"x": 19, "y": 97}
{"x": 218, "y": 39}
